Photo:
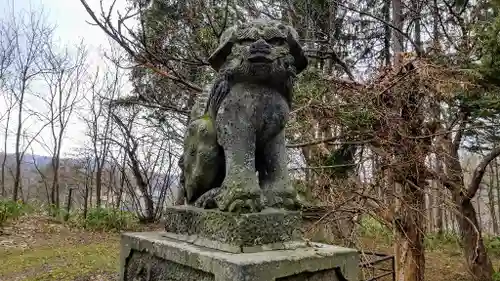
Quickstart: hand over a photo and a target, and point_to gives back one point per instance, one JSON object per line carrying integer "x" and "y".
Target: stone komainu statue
{"x": 234, "y": 149}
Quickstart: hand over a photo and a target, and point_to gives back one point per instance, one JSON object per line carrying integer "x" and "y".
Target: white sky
{"x": 70, "y": 18}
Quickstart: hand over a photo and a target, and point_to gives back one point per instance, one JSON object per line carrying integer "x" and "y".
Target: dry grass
{"x": 443, "y": 256}
{"x": 36, "y": 248}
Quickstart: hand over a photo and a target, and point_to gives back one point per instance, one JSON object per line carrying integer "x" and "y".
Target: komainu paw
{"x": 241, "y": 196}
{"x": 281, "y": 198}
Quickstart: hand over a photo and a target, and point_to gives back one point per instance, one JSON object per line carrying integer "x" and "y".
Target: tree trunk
{"x": 19, "y": 156}
{"x": 430, "y": 209}
{"x": 497, "y": 187}
{"x": 475, "y": 253}
{"x": 119, "y": 197}
{"x": 446, "y": 221}
{"x": 4, "y": 159}
{"x": 409, "y": 227}
{"x": 111, "y": 185}
{"x": 68, "y": 204}
{"x": 435, "y": 26}
{"x": 4, "y": 193}
{"x": 143, "y": 187}
{"x": 477, "y": 259}
{"x": 123, "y": 175}
{"x": 54, "y": 195}
{"x": 387, "y": 32}
{"x": 491, "y": 201}
{"x": 440, "y": 200}
{"x": 409, "y": 223}
{"x": 479, "y": 217}
{"x": 85, "y": 201}
{"x": 397, "y": 20}
{"x": 98, "y": 183}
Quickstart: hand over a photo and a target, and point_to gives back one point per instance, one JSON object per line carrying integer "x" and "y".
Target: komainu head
{"x": 259, "y": 51}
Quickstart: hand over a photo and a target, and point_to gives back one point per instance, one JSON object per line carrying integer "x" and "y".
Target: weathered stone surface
{"x": 151, "y": 254}
{"x": 237, "y": 128}
{"x": 140, "y": 265}
{"x": 322, "y": 275}
{"x": 267, "y": 230}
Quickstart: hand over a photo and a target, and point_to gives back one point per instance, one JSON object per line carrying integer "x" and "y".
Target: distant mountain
{"x": 32, "y": 159}
{"x": 29, "y": 160}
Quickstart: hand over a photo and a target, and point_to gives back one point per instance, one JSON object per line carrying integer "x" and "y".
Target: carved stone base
{"x": 270, "y": 229}
{"x": 150, "y": 256}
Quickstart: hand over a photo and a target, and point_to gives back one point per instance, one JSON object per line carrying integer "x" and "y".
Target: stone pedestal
{"x": 244, "y": 248}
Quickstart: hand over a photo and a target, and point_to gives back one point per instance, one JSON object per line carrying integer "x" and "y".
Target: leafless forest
{"x": 396, "y": 118}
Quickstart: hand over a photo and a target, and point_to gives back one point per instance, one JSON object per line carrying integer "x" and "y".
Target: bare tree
{"x": 137, "y": 44}
{"x": 105, "y": 87}
{"x": 32, "y": 33}
{"x": 475, "y": 252}
{"x": 151, "y": 163}
{"x": 7, "y": 43}
{"x": 491, "y": 198}
{"x": 10, "y": 104}
{"x": 88, "y": 168}
{"x": 65, "y": 84}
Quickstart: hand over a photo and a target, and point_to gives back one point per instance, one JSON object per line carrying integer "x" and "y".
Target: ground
{"x": 37, "y": 248}
{"x": 442, "y": 263}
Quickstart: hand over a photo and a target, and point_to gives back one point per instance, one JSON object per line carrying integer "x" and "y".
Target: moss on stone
{"x": 204, "y": 154}
{"x": 270, "y": 226}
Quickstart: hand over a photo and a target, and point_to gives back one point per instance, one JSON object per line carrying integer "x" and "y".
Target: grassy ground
{"x": 37, "y": 248}
{"x": 444, "y": 259}
{"x": 443, "y": 263}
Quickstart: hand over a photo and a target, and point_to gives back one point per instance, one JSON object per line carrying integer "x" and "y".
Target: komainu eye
{"x": 276, "y": 41}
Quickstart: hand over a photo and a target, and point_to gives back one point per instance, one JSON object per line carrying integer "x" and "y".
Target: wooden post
{"x": 68, "y": 204}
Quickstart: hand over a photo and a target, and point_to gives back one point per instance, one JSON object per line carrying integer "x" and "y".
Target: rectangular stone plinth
{"x": 237, "y": 233}
{"x": 151, "y": 256}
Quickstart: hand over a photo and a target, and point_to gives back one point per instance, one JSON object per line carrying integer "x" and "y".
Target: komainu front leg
{"x": 273, "y": 173}
{"x": 240, "y": 191}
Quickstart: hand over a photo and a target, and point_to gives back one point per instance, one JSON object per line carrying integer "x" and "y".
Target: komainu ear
{"x": 296, "y": 50}
{"x": 219, "y": 56}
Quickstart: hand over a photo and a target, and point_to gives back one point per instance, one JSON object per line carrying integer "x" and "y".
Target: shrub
{"x": 370, "y": 227}
{"x": 492, "y": 244}
{"x": 11, "y": 210}
{"x": 55, "y": 212}
{"x": 434, "y": 241}
{"x": 108, "y": 219}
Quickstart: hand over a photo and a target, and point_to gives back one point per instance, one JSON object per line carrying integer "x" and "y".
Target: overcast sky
{"x": 70, "y": 18}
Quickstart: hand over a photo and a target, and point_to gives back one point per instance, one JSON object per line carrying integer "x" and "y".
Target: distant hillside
{"x": 29, "y": 160}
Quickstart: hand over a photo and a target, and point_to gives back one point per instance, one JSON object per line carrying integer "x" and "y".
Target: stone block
{"x": 153, "y": 257}
{"x": 270, "y": 229}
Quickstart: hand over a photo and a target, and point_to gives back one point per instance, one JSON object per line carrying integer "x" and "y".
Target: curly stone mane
{"x": 227, "y": 78}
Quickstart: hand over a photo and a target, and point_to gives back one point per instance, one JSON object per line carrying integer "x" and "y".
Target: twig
{"x": 320, "y": 141}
